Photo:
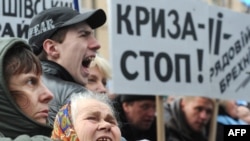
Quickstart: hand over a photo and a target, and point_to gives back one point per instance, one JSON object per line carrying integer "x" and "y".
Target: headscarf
{"x": 13, "y": 121}
{"x": 63, "y": 127}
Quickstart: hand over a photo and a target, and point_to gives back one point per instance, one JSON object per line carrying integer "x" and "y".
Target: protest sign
{"x": 166, "y": 48}
{"x": 16, "y": 14}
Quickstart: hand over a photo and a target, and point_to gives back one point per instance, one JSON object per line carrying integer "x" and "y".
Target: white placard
{"x": 165, "y": 48}
{"x": 16, "y": 14}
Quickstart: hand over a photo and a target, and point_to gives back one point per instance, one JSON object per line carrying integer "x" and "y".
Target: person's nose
{"x": 101, "y": 88}
{"x": 204, "y": 115}
{"x": 104, "y": 125}
{"x": 46, "y": 94}
{"x": 94, "y": 44}
{"x": 152, "y": 111}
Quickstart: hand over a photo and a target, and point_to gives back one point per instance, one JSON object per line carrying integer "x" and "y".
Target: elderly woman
{"x": 88, "y": 116}
{"x": 23, "y": 97}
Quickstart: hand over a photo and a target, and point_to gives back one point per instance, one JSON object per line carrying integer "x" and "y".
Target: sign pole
{"x": 160, "y": 119}
{"x": 213, "y": 122}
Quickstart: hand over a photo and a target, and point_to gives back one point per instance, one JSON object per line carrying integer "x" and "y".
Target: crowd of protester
{"x": 54, "y": 87}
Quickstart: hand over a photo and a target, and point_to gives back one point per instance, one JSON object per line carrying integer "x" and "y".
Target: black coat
{"x": 129, "y": 132}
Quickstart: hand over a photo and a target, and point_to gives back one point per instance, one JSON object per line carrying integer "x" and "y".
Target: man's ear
{"x": 49, "y": 47}
{"x": 182, "y": 102}
{"x": 125, "y": 106}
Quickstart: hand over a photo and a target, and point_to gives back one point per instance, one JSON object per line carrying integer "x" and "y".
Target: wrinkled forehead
{"x": 91, "y": 105}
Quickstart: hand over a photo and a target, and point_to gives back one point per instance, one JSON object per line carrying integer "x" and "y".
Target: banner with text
{"x": 166, "y": 48}
{"x": 16, "y": 14}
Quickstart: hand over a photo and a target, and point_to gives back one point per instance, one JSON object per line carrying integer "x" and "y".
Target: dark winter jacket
{"x": 176, "y": 127}
{"x": 13, "y": 122}
{"x": 129, "y": 132}
{"x": 61, "y": 84}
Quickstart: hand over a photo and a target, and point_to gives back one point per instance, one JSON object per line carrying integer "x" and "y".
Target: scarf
{"x": 63, "y": 127}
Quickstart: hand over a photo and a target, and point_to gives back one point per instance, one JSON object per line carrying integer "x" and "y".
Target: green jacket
{"x": 13, "y": 122}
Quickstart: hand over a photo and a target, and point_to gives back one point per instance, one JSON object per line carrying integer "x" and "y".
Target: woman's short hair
{"x": 103, "y": 65}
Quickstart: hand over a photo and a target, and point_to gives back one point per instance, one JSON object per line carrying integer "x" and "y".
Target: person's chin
{"x": 82, "y": 82}
{"x": 42, "y": 121}
{"x": 81, "y": 79}
{"x": 197, "y": 129}
{"x": 145, "y": 127}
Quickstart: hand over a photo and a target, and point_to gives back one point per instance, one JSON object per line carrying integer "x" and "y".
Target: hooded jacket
{"x": 13, "y": 122}
{"x": 129, "y": 132}
{"x": 61, "y": 84}
{"x": 177, "y": 128}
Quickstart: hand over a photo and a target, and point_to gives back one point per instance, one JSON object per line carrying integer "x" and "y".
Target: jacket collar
{"x": 52, "y": 68}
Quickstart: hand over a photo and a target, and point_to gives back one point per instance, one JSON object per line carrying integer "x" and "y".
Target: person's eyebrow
{"x": 93, "y": 76}
{"x": 111, "y": 117}
{"x": 85, "y": 31}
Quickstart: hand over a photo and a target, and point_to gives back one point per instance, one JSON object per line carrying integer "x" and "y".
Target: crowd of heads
{"x": 56, "y": 86}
